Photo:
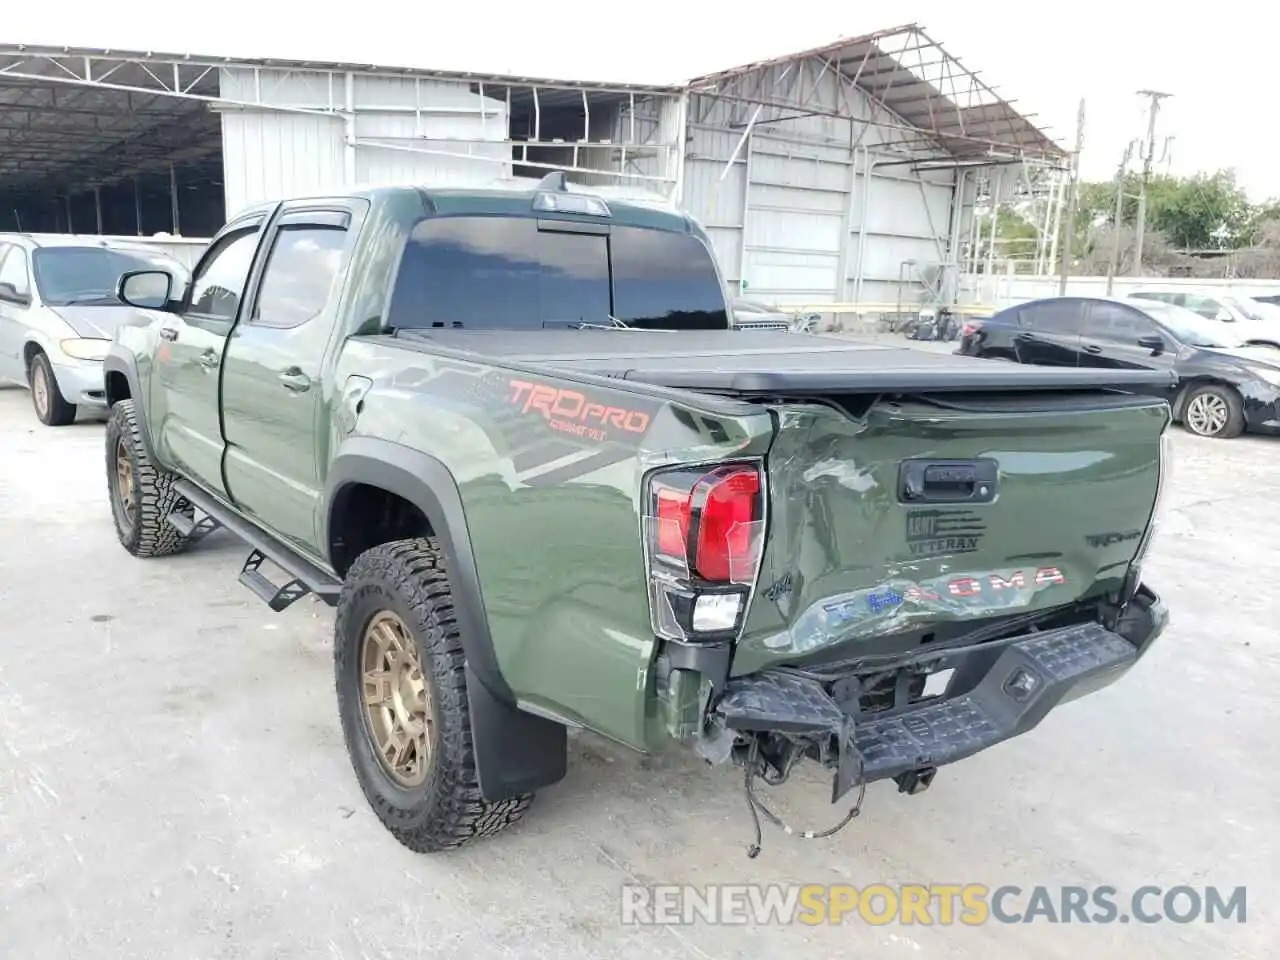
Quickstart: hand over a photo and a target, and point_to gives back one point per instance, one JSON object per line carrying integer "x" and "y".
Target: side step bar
{"x": 191, "y": 528}
{"x": 304, "y": 576}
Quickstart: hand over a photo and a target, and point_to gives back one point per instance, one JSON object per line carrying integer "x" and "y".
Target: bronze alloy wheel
{"x": 40, "y": 390}
{"x": 124, "y": 482}
{"x": 397, "y": 700}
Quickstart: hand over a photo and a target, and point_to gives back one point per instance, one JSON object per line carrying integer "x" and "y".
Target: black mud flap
{"x": 1027, "y": 680}
{"x": 515, "y": 752}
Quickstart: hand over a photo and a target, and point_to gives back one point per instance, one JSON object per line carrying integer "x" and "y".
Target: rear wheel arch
{"x": 516, "y": 752}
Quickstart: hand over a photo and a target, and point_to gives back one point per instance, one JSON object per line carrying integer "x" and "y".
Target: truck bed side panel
{"x": 549, "y": 472}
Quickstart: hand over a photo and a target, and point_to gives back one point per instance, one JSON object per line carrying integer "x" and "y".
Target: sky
{"x": 1218, "y": 60}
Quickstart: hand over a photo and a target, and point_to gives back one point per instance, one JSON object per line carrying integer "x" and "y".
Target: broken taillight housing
{"x": 704, "y": 532}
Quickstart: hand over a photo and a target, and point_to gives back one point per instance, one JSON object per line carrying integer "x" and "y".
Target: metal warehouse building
{"x": 840, "y": 174}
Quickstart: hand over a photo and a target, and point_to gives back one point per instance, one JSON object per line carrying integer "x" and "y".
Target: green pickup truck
{"x": 512, "y": 437}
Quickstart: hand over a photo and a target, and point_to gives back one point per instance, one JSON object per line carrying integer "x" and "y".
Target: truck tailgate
{"x": 919, "y": 512}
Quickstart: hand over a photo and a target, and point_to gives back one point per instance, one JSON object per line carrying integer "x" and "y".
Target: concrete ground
{"x": 173, "y": 781}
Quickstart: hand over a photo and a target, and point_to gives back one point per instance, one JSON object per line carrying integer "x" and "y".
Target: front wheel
{"x": 50, "y": 405}
{"x": 142, "y": 494}
{"x": 1214, "y": 411}
{"x": 402, "y": 700}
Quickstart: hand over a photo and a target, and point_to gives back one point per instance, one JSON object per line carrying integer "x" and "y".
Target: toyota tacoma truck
{"x": 511, "y": 435}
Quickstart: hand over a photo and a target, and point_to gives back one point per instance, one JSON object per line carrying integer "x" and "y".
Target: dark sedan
{"x": 1225, "y": 385}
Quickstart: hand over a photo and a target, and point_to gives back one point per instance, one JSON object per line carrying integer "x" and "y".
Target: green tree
{"x": 1016, "y": 236}
{"x": 1198, "y": 212}
{"x": 1263, "y": 225}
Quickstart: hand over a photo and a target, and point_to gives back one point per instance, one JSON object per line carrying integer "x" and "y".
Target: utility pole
{"x": 1148, "y": 155}
{"x": 1115, "y": 221}
{"x": 1072, "y": 201}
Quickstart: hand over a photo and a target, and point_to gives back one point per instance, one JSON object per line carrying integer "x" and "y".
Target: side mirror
{"x": 1224, "y": 316}
{"x": 1153, "y": 343}
{"x": 9, "y": 293}
{"x": 146, "y": 289}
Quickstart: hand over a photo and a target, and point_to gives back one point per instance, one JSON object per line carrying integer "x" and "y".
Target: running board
{"x": 192, "y": 529}
{"x": 277, "y": 598}
{"x": 303, "y": 576}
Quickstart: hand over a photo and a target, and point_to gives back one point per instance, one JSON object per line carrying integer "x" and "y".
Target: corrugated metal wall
{"x": 793, "y": 216}
{"x": 271, "y": 153}
{"x": 788, "y": 215}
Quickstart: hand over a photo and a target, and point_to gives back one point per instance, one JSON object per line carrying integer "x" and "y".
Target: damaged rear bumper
{"x": 996, "y": 691}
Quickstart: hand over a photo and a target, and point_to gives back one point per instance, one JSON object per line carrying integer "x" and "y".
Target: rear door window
{"x": 1063, "y": 317}
{"x": 1205, "y": 306}
{"x": 510, "y": 273}
{"x": 1117, "y": 324}
{"x": 300, "y": 272}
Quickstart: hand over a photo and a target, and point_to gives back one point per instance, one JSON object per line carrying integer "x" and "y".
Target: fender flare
{"x": 127, "y": 366}
{"x": 516, "y": 752}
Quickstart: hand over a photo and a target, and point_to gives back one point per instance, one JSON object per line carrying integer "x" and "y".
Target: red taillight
{"x": 708, "y": 521}
{"x": 729, "y": 507}
{"x": 674, "y": 511}
{"x": 705, "y": 535}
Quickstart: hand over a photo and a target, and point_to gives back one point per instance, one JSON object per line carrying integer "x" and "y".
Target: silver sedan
{"x": 59, "y": 313}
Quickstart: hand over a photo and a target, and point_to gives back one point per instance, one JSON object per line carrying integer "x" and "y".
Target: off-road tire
{"x": 57, "y": 412}
{"x": 1234, "y": 425}
{"x": 408, "y": 578}
{"x": 154, "y": 498}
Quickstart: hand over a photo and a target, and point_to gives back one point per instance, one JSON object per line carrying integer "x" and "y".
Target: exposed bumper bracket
{"x": 1028, "y": 679}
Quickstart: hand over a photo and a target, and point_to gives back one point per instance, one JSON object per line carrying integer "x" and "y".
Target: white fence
{"x": 1000, "y": 290}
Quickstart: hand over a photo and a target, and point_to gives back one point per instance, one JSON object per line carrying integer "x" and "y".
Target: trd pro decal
{"x": 575, "y": 413}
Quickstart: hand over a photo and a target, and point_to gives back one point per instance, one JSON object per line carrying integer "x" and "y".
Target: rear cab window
{"x": 519, "y": 273}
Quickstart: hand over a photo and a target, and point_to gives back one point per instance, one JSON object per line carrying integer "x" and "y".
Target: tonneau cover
{"x": 776, "y": 364}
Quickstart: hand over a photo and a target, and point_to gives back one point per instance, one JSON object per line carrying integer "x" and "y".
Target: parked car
{"x": 58, "y": 313}
{"x": 753, "y": 315}
{"x": 1257, "y": 322}
{"x": 1223, "y": 386}
{"x": 762, "y": 547}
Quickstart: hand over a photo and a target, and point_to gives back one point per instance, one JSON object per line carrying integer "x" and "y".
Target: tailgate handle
{"x": 948, "y": 481}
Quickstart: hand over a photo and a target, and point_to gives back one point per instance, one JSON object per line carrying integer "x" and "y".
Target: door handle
{"x": 294, "y": 380}
{"x": 169, "y": 333}
{"x": 1092, "y": 348}
{"x": 208, "y": 359}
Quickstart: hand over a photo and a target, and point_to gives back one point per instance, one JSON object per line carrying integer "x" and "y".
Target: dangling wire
{"x": 757, "y": 807}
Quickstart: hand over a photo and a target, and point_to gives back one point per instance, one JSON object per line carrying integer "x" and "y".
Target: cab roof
{"x": 515, "y": 197}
